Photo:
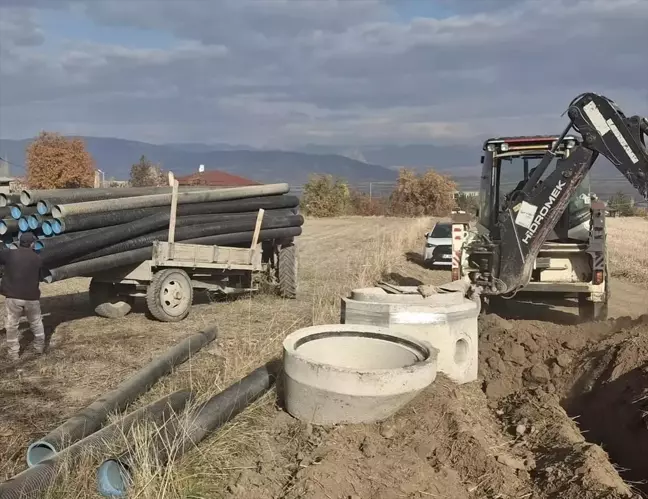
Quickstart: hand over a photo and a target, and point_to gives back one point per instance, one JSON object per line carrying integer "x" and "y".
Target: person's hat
{"x": 27, "y": 239}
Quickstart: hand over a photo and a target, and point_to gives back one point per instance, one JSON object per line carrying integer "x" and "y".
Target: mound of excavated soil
{"x": 517, "y": 433}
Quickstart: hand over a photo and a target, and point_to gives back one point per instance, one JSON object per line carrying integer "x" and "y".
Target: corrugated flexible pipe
{"x": 114, "y": 476}
{"x": 33, "y": 483}
{"x": 91, "y": 418}
{"x": 196, "y": 230}
{"x": 90, "y": 267}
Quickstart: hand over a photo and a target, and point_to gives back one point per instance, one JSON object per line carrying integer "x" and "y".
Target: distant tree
{"x": 622, "y": 203}
{"x": 467, "y": 203}
{"x": 429, "y": 193}
{"x": 57, "y": 162}
{"x": 144, "y": 173}
{"x": 325, "y": 196}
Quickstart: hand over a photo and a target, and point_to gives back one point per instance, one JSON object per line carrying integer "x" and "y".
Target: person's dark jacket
{"x": 23, "y": 271}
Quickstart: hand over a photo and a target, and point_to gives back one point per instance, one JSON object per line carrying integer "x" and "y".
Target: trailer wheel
{"x": 106, "y": 301}
{"x": 287, "y": 264}
{"x": 169, "y": 295}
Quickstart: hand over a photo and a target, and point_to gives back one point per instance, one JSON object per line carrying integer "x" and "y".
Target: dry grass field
{"x": 628, "y": 247}
{"x": 90, "y": 355}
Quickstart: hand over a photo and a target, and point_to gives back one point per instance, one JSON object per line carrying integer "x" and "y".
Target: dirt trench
{"x": 558, "y": 412}
{"x": 594, "y": 375}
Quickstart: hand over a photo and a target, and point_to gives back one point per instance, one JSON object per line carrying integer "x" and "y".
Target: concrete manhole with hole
{"x": 344, "y": 373}
{"x": 446, "y": 320}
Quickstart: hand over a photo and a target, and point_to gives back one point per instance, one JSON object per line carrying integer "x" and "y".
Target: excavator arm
{"x": 506, "y": 260}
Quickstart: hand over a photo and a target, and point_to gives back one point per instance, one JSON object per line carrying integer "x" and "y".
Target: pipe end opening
{"x": 47, "y": 229}
{"x": 16, "y": 212}
{"x": 23, "y": 225}
{"x": 42, "y": 207}
{"x": 38, "y": 246}
{"x": 112, "y": 479}
{"x": 39, "y": 452}
{"x": 3, "y": 228}
{"x": 56, "y": 212}
{"x": 25, "y": 198}
{"x": 33, "y": 222}
{"x": 57, "y": 226}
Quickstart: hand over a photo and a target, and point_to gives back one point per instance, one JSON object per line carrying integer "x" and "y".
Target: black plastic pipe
{"x": 58, "y": 240}
{"x": 114, "y": 476}
{"x": 34, "y": 482}
{"x": 6, "y": 199}
{"x": 136, "y": 256}
{"x": 91, "y": 418}
{"x": 30, "y": 197}
{"x": 115, "y": 217}
{"x": 105, "y": 237}
{"x": 190, "y": 232}
{"x": 17, "y": 210}
{"x": 85, "y": 245}
{"x": 8, "y": 226}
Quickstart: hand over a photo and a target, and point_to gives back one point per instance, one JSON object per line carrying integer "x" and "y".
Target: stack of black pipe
{"x": 83, "y": 244}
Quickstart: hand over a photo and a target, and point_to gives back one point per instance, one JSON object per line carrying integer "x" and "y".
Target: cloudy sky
{"x": 285, "y": 73}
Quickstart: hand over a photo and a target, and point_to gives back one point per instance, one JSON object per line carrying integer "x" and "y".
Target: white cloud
{"x": 351, "y": 72}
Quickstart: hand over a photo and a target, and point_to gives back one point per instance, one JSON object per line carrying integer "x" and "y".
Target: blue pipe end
{"x": 3, "y": 228}
{"x": 57, "y": 226}
{"x": 16, "y": 212}
{"x": 38, "y": 452}
{"x": 42, "y": 208}
{"x": 33, "y": 222}
{"x": 23, "y": 224}
{"x": 38, "y": 245}
{"x": 47, "y": 228}
{"x": 113, "y": 479}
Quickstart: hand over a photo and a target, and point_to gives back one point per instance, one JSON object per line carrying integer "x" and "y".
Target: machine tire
{"x": 287, "y": 266}
{"x": 106, "y": 301}
{"x": 161, "y": 304}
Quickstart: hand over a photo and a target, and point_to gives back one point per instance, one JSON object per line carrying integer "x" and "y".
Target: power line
{"x": 13, "y": 164}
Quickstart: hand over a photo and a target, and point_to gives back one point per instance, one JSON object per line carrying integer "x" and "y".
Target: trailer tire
{"x": 287, "y": 265}
{"x": 106, "y": 301}
{"x": 169, "y": 296}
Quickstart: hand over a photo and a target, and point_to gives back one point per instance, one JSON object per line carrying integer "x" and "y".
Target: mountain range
{"x": 115, "y": 157}
{"x": 359, "y": 165}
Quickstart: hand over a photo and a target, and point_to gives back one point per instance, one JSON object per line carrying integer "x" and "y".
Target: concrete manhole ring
{"x": 346, "y": 373}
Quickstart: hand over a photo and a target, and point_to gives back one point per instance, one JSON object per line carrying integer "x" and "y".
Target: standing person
{"x": 23, "y": 271}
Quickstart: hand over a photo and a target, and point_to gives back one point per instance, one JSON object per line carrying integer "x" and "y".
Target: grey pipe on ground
{"x": 63, "y": 210}
{"x": 90, "y": 419}
{"x": 114, "y": 476}
{"x": 136, "y": 256}
{"x": 34, "y": 482}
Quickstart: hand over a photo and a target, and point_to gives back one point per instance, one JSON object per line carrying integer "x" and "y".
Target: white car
{"x": 438, "y": 245}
